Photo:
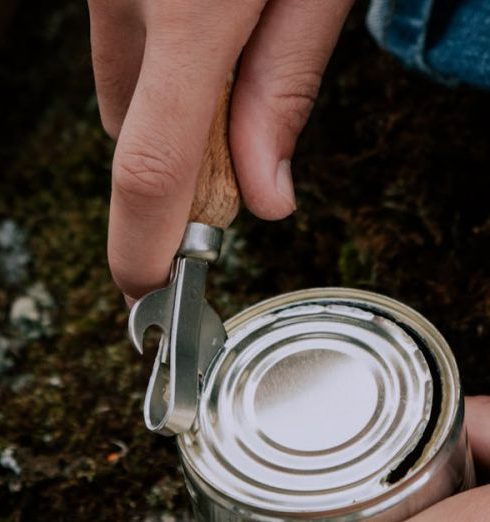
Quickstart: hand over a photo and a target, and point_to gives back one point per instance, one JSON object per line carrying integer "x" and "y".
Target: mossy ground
{"x": 393, "y": 185}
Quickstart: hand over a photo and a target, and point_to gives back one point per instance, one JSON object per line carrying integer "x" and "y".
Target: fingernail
{"x": 284, "y": 182}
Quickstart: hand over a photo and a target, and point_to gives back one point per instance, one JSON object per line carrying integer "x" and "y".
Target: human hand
{"x": 472, "y": 505}
{"x": 159, "y": 69}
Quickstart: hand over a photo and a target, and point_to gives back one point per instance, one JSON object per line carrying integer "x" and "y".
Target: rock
{"x": 56, "y": 381}
{"x": 8, "y": 461}
{"x": 14, "y": 256}
{"x": 24, "y": 308}
{"x": 41, "y": 295}
{"x": 30, "y": 314}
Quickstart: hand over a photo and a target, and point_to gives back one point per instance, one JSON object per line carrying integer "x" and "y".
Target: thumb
{"x": 279, "y": 77}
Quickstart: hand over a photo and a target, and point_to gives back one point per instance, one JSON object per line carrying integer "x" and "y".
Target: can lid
{"x": 309, "y": 407}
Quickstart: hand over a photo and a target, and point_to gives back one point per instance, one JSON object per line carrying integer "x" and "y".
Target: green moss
{"x": 354, "y": 269}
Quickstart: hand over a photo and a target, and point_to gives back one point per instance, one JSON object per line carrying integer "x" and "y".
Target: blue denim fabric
{"x": 446, "y": 39}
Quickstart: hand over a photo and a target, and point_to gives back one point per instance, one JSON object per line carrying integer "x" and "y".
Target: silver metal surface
{"x": 326, "y": 405}
{"x": 191, "y": 335}
{"x": 201, "y": 241}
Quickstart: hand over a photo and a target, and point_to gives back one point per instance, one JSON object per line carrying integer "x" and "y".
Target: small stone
{"x": 41, "y": 296}
{"x": 14, "y": 256}
{"x": 47, "y": 438}
{"x": 15, "y": 486}
{"x": 8, "y": 461}
{"x": 55, "y": 381}
{"x": 24, "y": 309}
{"x": 30, "y": 314}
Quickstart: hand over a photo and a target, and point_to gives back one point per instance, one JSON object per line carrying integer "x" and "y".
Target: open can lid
{"x": 311, "y": 406}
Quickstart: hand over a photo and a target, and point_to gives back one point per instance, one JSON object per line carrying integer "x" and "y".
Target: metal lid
{"x": 309, "y": 407}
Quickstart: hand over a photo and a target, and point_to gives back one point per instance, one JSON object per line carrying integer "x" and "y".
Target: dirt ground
{"x": 393, "y": 185}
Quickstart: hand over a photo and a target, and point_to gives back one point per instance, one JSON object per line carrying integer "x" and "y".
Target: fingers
{"x": 472, "y": 505}
{"x": 190, "y": 49}
{"x": 478, "y": 425}
{"x": 117, "y": 36}
{"x": 280, "y": 73}
{"x": 186, "y": 51}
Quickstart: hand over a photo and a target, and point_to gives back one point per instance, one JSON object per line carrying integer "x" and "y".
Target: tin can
{"x": 327, "y": 404}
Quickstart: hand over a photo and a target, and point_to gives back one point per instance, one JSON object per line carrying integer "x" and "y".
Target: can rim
{"x": 444, "y": 436}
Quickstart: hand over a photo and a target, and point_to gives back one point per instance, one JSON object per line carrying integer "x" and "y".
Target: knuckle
{"x": 293, "y": 96}
{"x": 140, "y": 173}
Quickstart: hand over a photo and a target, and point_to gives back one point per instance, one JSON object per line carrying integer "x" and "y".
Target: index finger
{"x": 187, "y": 58}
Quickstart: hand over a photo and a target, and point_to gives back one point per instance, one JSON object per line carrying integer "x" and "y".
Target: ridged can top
{"x": 316, "y": 403}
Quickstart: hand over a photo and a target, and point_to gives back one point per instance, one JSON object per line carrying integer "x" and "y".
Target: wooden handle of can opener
{"x": 217, "y": 198}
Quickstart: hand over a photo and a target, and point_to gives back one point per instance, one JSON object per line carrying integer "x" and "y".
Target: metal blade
{"x": 154, "y": 309}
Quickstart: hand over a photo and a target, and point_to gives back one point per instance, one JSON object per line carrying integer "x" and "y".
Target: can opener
{"x": 192, "y": 332}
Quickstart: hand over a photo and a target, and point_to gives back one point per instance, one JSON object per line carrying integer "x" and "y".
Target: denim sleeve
{"x": 446, "y": 39}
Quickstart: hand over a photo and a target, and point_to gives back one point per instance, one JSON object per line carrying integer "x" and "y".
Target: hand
{"x": 159, "y": 69}
{"x": 472, "y": 505}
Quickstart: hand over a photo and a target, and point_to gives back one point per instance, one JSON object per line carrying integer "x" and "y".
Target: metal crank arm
{"x": 192, "y": 333}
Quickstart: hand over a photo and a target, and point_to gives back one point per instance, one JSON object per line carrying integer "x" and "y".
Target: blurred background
{"x": 393, "y": 184}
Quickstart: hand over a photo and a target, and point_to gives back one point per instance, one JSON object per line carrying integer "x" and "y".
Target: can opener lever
{"x": 192, "y": 333}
